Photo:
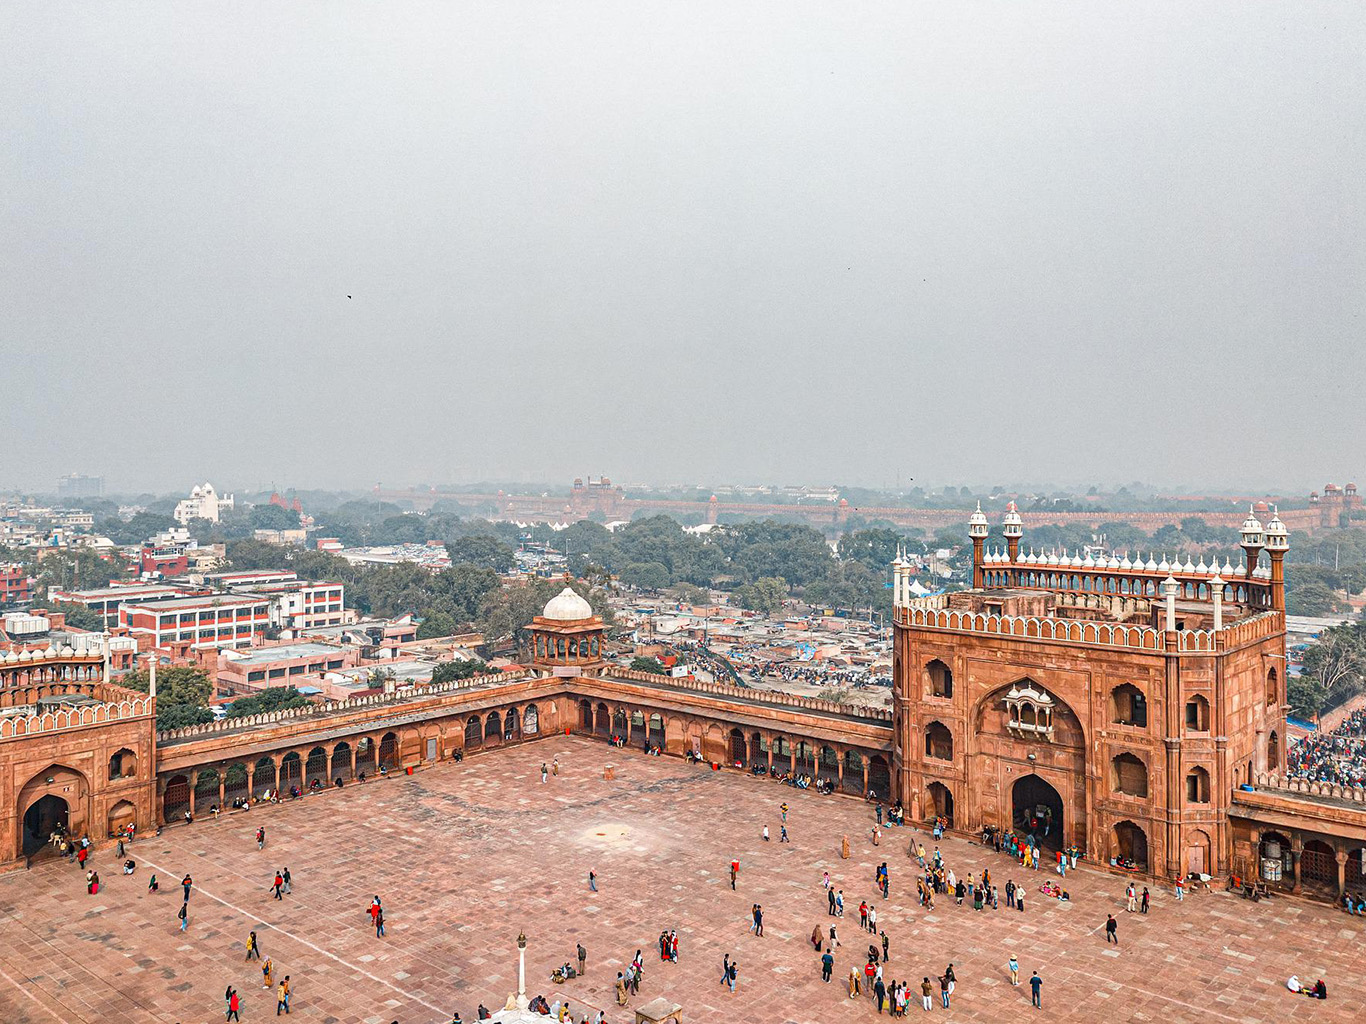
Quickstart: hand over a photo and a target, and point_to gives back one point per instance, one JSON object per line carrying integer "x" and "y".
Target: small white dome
{"x": 567, "y": 606}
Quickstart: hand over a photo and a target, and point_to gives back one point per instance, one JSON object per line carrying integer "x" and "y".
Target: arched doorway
{"x": 1198, "y": 853}
{"x": 586, "y": 716}
{"x": 657, "y": 731}
{"x": 1036, "y": 809}
{"x": 176, "y": 800}
{"x": 42, "y": 819}
{"x": 531, "y": 720}
{"x": 1131, "y": 845}
{"x": 619, "y": 723}
{"x": 341, "y": 762}
{"x": 941, "y": 802}
{"x": 879, "y": 778}
{"x": 315, "y": 768}
{"x": 604, "y": 721}
{"x": 1319, "y": 867}
{"x": 121, "y": 815}
{"x": 737, "y": 746}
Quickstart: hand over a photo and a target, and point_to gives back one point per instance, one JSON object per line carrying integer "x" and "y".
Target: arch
{"x": 235, "y": 784}
{"x": 603, "y": 721}
{"x": 48, "y": 814}
{"x": 1198, "y": 853}
{"x": 1273, "y": 751}
{"x": 493, "y": 727}
{"x": 938, "y": 741}
{"x": 1128, "y": 706}
{"x": 940, "y": 802}
{"x": 121, "y": 815}
{"x": 656, "y": 733}
{"x": 1273, "y": 687}
{"x": 1037, "y": 810}
{"x": 586, "y": 715}
{"x": 1197, "y": 713}
{"x": 388, "y": 751}
{"x": 531, "y": 720}
{"x": 315, "y": 768}
{"x": 940, "y": 678}
{"x": 1197, "y": 786}
{"x": 292, "y": 772}
{"x": 341, "y": 761}
{"x": 1128, "y": 775}
{"x": 619, "y": 727}
{"x": 262, "y": 777}
{"x": 474, "y": 733}
{"x": 206, "y": 790}
{"x": 1319, "y": 867}
{"x": 879, "y": 778}
{"x": 758, "y": 749}
{"x": 738, "y": 747}
{"x": 853, "y": 772}
{"x": 1129, "y": 843}
{"x": 366, "y": 760}
{"x": 123, "y": 765}
{"x": 1275, "y": 862}
{"x": 805, "y": 757}
{"x": 828, "y": 764}
{"x": 511, "y": 721}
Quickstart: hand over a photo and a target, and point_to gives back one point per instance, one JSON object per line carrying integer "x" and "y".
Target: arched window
{"x": 1128, "y": 775}
{"x": 531, "y": 720}
{"x": 123, "y": 765}
{"x": 1273, "y": 689}
{"x": 1197, "y": 714}
{"x": 938, "y": 742}
{"x": 1197, "y": 786}
{"x": 1128, "y": 706}
{"x": 941, "y": 678}
{"x": 1273, "y": 752}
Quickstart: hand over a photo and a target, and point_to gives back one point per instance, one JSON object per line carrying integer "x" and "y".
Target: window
{"x": 257, "y": 676}
{"x": 277, "y": 673}
{"x": 1030, "y": 711}
{"x": 1129, "y": 775}
{"x": 1273, "y": 689}
{"x": 1197, "y": 786}
{"x": 941, "y": 678}
{"x": 1197, "y": 714}
{"x": 1128, "y": 706}
{"x": 938, "y": 742}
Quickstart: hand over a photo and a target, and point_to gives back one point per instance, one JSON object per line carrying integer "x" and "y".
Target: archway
{"x": 1319, "y": 867}
{"x": 262, "y": 778}
{"x": 1128, "y": 775}
{"x": 531, "y": 721}
{"x": 206, "y": 790}
{"x": 806, "y": 758}
{"x": 603, "y": 720}
{"x": 941, "y": 802}
{"x": 1198, "y": 853}
{"x": 619, "y": 723}
{"x": 1275, "y": 862}
{"x": 123, "y": 765}
{"x": 365, "y": 756}
{"x": 46, "y": 816}
{"x": 511, "y": 719}
{"x": 657, "y": 731}
{"x": 341, "y": 762}
{"x": 941, "y": 679}
{"x": 853, "y": 772}
{"x": 1131, "y": 845}
{"x": 315, "y": 769}
{"x": 388, "y": 751}
{"x": 292, "y": 772}
{"x": 121, "y": 815}
{"x": 758, "y": 749}
{"x": 879, "y": 778}
{"x": 493, "y": 728}
{"x": 474, "y": 733}
{"x": 737, "y": 746}
{"x": 1273, "y": 752}
{"x": 828, "y": 765}
{"x": 235, "y": 784}
{"x": 938, "y": 742}
{"x": 586, "y": 716}
{"x": 176, "y": 800}
{"x": 1036, "y": 808}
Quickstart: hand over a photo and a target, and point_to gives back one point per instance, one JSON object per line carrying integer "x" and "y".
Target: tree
{"x": 689, "y": 593}
{"x": 651, "y": 576}
{"x": 1306, "y": 696}
{"x": 273, "y": 698}
{"x": 182, "y": 695}
{"x": 78, "y": 615}
{"x": 1311, "y": 599}
{"x": 765, "y": 594}
{"x": 874, "y": 548}
{"x": 653, "y": 665}
{"x": 1336, "y": 663}
{"x": 273, "y": 517}
{"x": 437, "y": 624}
{"x": 482, "y": 551}
{"x": 460, "y": 668}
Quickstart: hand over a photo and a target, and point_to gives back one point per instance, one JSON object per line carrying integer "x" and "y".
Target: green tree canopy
{"x": 654, "y": 665}
{"x": 460, "y": 668}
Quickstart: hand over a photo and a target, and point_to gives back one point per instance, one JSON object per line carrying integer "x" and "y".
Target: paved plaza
{"x": 467, "y": 855}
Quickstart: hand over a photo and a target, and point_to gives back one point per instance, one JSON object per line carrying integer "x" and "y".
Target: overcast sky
{"x": 824, "y": 243}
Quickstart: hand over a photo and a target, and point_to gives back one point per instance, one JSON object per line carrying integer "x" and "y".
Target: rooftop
{"x": 284, "y": 652}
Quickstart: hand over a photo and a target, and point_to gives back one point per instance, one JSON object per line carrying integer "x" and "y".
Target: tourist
{"x": 944, "y": 989}
{"x": 782, "y": 834}
{"x": 834, "y": 938}
{"x": 886, "y": 946}
{"x": 872, "y": 919}
{"x": 879, "y": 994}
{"x": 288, "y": 888}
{"x": 555, "y": 766}
{"x": 827, "y": 965}
{"x": 253, "y": 949}
{"x": 261, "y": 838}
{"x": 184, "y": 916}
{"x": 282, "y": 996}
{"x": 734, "y": 871}
{"x": 1131, "y": 898}
{"x": 839, "y": 903}
{"x": 545, "y": 773}
{"x": 152, "y": 884}
{"x": 266, "y": 970}
{"x": 1035, "y": 984}
{"x": 765, "y": 833}
{"x": 816, "y": 938}
{"x": 187, "y": 883}
{"x": 1143, "y": 907}
{"x": 1014, "y": 966}
{"x": 621, "y": 989}
{"x": 379, "y": 923}
{"x": 863, "y": 915}
{"x": 854, "y": 987}
{"x": 592, "y": 880}
{"x": 1019, "y": 900}
{"x": 1010, "y": 894}
{"x": 926, "y": 993}
{"x": 783, "y": 809}
{"x": 1111, "y": 928}
{"x": 233, "y": 1004}
{"x": 830, "y": 899}
{"x": 759, "y": 920}
{"x": 732, "y": 975}
{"x": 129, "y": 866}
{"x": 278, "y": 885}
{"x": 1180, "y": 888}
{"x": 725, "y": 968}
{"x": 583, "y": 956}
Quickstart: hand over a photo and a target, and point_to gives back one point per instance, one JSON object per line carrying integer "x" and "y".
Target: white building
{"x": 203, "y": 503}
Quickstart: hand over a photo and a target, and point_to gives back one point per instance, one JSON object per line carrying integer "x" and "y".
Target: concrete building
{"x": 295, "y": 664}
{"x": 16, "y": 587}
{"x": 214, "y": 620}
{"x": 203, "y": 503}
{"x": 107, "y": 600}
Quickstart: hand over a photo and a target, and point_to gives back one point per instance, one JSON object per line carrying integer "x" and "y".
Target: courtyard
{"x": 465, "y": 856}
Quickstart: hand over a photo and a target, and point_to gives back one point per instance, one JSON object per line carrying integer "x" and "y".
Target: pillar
{"x": 251, "y": 780}
{"x": 222, "y": 791}
{"x": 864, "y": 790}
{"x": 194, "y": 786}
{"x": 353, "y": 761}
{"x": 1342, "y": 871}
{"x": 1296, "y": 848}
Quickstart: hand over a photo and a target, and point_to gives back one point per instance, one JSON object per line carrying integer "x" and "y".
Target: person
{"x": 379, "y": 923}
{"x": 765, "y": 833}
{"x": 278, "y": 885}
{"x": 583, "y": 956}
{"x": 879, "y": 993}
{"x": 759, "y": 920}
{"x": 854, "y": 988}
{"x": 782, "y": 834}
{"x": 621, "y": 989}
{"x": 732, "y": 975}
{"x": 725, "y": 968}
{"x": 830, "y": 899}
{"x": 233, "y": 1004}
{"x": 289, "y": 887}
{"x": 252, "y": 948}
{"x": 886, "y": 946}
{"x": 783, "y": 809}
{"x": 827, "y": 965}
{"x": 1131, "y": 898}
{"x": 592, "y": 880}
{"x": 953, "y": 980}
{"x": 261, "y": 838}
{"x": 834, "y": 938}
{"x": 555, "y": 766}
{"x": 944, "y": 989}
{"x": 1014, "y": 966}
{"x": 1320, "y": 990}
{"x": 1293, "y": 984}
{"x": 816, "y": 938}
{"x": 1180, "y": 888}
{"x": 545, "y": 773}
{"x": 282, "y": 997}
{"x": 926, "y": 993}
{"x": 734, "y": 870}
{"x": 186, "y": 883}
{"x": 152, "y": 884}
{"x": 266, "y": 969}
{"x": 184, "y": 916}
{"x": 1111, "y": 930}
{"x": 1143, "y": 907}
{"x": 128, "y": 866}
{"x": 1035, "y": 984}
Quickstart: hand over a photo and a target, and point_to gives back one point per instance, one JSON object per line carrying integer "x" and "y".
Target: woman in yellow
{"x": 266, "y": 968}
{"x": 853, "y": 983}
{"x": 282, "y": 997}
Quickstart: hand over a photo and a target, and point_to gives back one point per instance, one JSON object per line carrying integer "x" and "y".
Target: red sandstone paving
{"x": 466, "y": 855}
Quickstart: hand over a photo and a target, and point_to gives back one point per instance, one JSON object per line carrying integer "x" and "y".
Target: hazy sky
{"x": 689, "y": 241}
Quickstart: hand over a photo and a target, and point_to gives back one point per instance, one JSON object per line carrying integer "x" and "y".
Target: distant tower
{"x": 1012, "y": 526}
{"x": 1254, "y": 539}
{"x": 1277, "y": 543}
{"x": 567, "y": 636}
{"x": 977, "y": 530}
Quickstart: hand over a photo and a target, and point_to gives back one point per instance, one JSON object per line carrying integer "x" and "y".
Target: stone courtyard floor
{"x": 467, "y": 855}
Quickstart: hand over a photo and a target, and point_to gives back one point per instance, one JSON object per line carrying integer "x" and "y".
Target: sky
{"x": 334, "y": 244}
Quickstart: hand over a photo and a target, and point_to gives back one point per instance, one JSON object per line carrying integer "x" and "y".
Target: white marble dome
{"x": 567, "y": 606}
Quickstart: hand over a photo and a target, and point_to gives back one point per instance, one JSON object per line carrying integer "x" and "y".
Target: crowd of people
{"x": 1337, "y": 757}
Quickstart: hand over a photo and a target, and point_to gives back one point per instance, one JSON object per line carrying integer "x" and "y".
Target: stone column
{"x": 194, "y": 786}
{"x": 251, "y": 784}
{"x": 864, "y": 790}
{"x": 1296, "y": 848}
{"x": 353, "y": 761}
{"x": 1342, "y": 871}
{"x": 222, "y": 790}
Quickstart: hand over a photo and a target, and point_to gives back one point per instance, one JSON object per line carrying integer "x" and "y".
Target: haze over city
{"x": 328, "y": 245}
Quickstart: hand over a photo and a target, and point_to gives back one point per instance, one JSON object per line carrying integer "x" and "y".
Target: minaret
{"x": 1277, "y": 543}
{"x": 1012, "y": 527}
{"x": 1253, "y": 540}
{"x": 899, "y": 594}
{"x": 523, "y": 1002}
{"x": 977, "y": 530}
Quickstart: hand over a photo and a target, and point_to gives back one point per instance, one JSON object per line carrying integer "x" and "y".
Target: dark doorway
{"x": 1037, "y": 811}
{"x": 41, "y": 820}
